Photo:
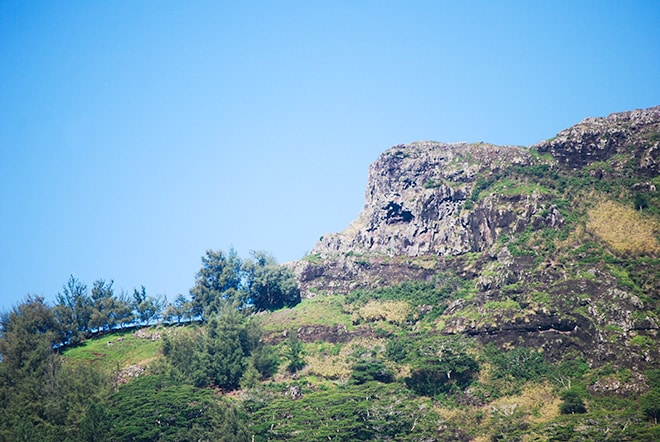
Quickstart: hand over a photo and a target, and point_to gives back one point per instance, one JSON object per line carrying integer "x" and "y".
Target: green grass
{"x": 322, "y": 310}
{"x": 115, "y": 349}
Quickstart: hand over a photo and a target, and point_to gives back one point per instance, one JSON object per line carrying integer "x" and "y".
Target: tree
{"x": 650, "y": 404}
{"x": 440, "y": 365}
{"x": 154, "y": 409}
{"x": 572, "y": 402}
{"x": 294, "y": 353}
{"x": 28, "y": 364}
{"x": 218, "y": 355}
{"x": 95, "y": 426}
{"x": 73, "y": 311}
{"x": 219, "y": 279}
{"x": 147, "y": 307}
{"x": 178, "y": 310}
{"x": 270, "y": 286}
{"x": 103, "y": 303}
{"x": 122, "y": 313}
{"x": 226, "y": 348}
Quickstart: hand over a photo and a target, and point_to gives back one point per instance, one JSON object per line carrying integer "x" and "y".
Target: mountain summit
{"x": 558, "y": 242}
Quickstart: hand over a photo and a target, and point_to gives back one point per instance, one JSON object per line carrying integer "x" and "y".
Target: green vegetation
{"x": 118, "y": 349}
{"x": 547, "y": 333}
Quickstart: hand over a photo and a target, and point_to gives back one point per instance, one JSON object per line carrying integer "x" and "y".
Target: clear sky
{"x": 135, "y": 135}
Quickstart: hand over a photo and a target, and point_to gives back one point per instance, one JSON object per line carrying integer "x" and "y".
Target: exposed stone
{"x": 430, "y": 209}
{"x": 415, "y": 200}
{"x": 634, "y": 135}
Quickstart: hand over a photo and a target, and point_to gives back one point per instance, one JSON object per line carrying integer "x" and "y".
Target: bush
{"x": 572, "y": 402}
{"x": 371, "y": 370}
{"x": 650, "y": 405}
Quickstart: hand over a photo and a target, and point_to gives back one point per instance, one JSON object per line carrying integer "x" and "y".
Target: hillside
{"x": 558, "y": 243}
{"x": 484, "y": 293}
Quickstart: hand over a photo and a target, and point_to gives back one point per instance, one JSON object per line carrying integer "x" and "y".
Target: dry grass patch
{"x": 338, "y": 366}
{"x": 396, "y": 312}
{"x": 623, "y": 229}
{"x": 537, "y": 402}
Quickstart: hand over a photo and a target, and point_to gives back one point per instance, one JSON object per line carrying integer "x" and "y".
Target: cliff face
{"x": 423, "y": 198}
{"x": 519, "y": 226}
{"x": 416, "y": 197}
{"x": 627, "y": 140}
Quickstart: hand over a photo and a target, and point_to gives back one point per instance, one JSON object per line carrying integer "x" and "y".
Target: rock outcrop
{"x": 511, "y": 221}
{"x": 632, "y": 136}
{"x": 419, "y": 201}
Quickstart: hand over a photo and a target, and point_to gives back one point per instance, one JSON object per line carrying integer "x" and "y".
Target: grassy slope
{"x": 322, "y": 401}
{"x": 117, "y": 350}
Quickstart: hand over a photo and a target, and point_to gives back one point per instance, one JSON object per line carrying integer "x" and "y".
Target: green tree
{"x": 650, "y": 405}
{"x": 572, "y": 402}
{"x": 226, "y": 348}
{"x": 178, "y": 310}
{"x": 154, "y": 409}
{"x": 184, "y": 351}
{"x": 68, "y": 394}
{"x": 147, "y": 307}
{"x": 219, "y": 279}
{"x": 439, "y": 365}
{"x": 28, "y": 364}
{"x": 103, "y": 304}
{"x": 270, "y": 286}
{"x": 371, "y": 369}
{"x": 265, "y": 360}
{"x": 122, "y": 312}
{"x": 215, "y": 355}
{"x": 294, "y": 353}
{"x": 73, "y": 311}
{"x": 95, "y": 425}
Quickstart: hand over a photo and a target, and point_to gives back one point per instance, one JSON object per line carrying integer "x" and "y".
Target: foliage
{"x": 427, "y": 297}
{"x": 269, "y": 285}
{"x": 650, "y": 405}
{"x": 294, "y": 353}
{"x": 73, "y": 312}
{"x": 572, "y": 402}
{"x": 216, "y": 355}
{"x": 95, "y": 425}
{"x": 257, "y": 283}
{"x": 153, "y": 409}
{"x": 517, "y": 366}
{"x": 225, "y": 350}
{"x": 265, "y": 360}
{"x": 42, "y": 398}
{"x": 371, "y": 411}
{"x": 218, "y": 279}
{"x": 146, "y": 306}
{"x": 439, "y": 364}
{"x": 179, "y": 310}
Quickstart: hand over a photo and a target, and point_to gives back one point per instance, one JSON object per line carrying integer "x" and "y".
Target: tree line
{"x": 42, "y": 398}
{"x": 254, "y": 284}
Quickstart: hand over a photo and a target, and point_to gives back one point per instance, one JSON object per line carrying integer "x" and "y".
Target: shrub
{"x": 572, "y": 402}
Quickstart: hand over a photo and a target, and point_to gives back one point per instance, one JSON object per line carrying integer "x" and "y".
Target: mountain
{"x": 557, "y": 242}
{"x": 484, "y": 293}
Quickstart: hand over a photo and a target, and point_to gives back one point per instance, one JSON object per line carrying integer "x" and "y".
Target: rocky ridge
{"x": 509, "y": 221}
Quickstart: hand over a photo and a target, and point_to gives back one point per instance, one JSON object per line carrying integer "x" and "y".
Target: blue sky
{"x": 135, "y": 135}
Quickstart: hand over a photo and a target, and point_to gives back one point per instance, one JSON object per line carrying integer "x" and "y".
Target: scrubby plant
{"x": 572, "y": 402}
{"x": 294, "y": 353}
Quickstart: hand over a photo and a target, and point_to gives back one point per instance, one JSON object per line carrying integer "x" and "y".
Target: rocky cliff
{"x": 521, "y": 226}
